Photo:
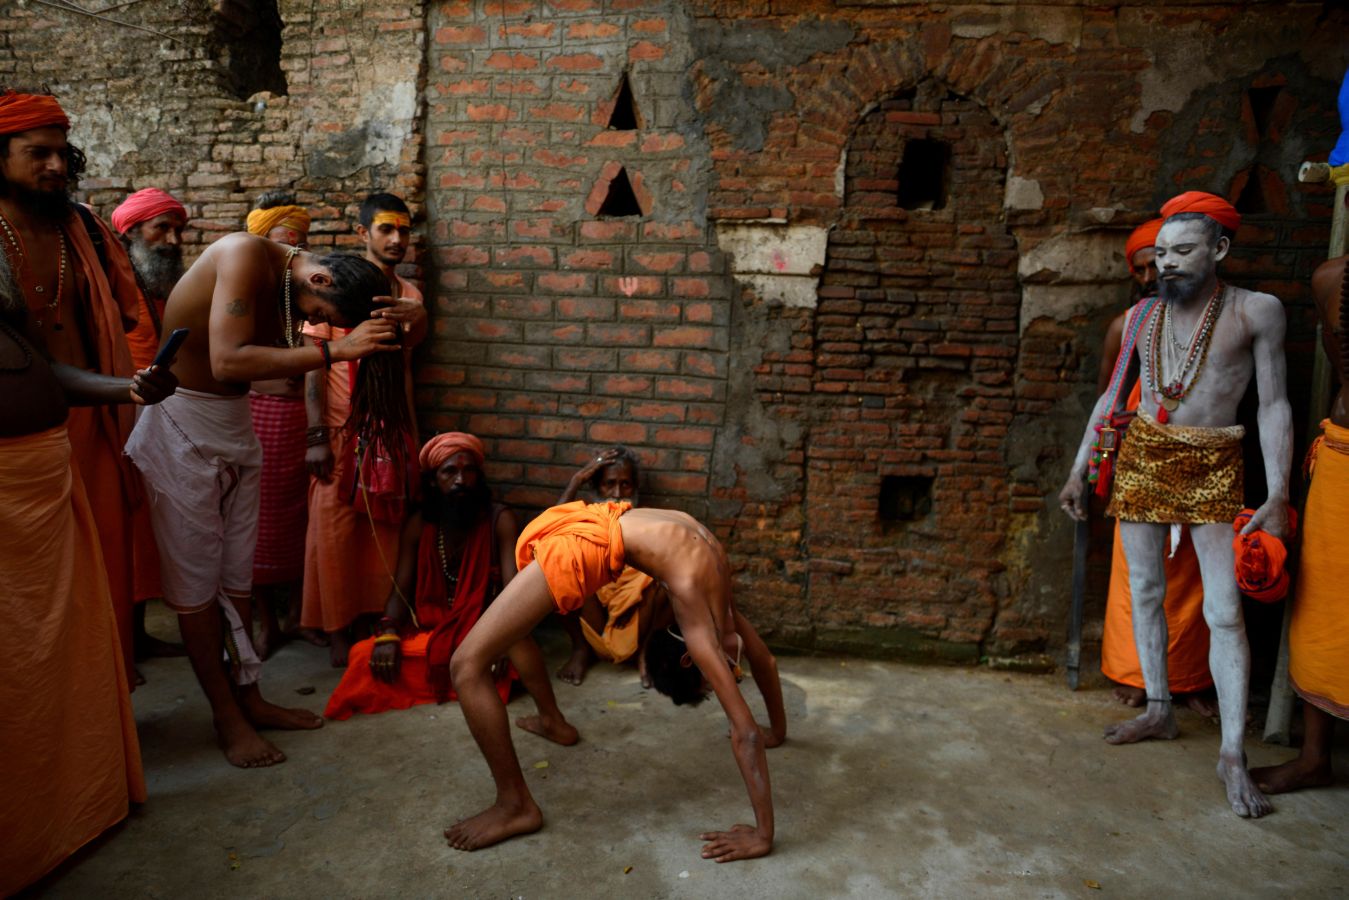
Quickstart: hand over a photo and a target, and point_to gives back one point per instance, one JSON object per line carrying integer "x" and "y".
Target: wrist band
{"x": 327, "y": 354}
{"x": 387, "y": 639}
{"x": 316, "y": 435}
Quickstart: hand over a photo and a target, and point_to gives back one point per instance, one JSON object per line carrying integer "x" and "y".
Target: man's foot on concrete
{"x": 493, "y": 825}
{"x": 555, "y": 730}
{"x": 339, "y": 645}
{"x": 1242, "y": 794}
{"x": 1204, "y": 704}
{"x": 574, "y": 670}
{"x": 149, "y": 647}
{"x": 1129, "y": 696}
{"x": 1294, "y": 775}
{"x": 1149, "y": 726}
{"x": 308, "y": 635}
{"x": 269, "y": 640}
{"x": 268, "y": 715}
{"x": 243, "y": 746}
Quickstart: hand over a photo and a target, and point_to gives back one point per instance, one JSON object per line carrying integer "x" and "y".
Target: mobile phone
{"x": 170, "y": 348}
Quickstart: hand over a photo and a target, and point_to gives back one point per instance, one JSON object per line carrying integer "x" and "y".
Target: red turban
{"x": 1211, "y": 205}
{"x": 142, "y": 206}
{"x": 1260, "y": 560}
{"x": 443, "y": 446}
{"x": 1144, "y": 236}
{"x": 24, "y": 112}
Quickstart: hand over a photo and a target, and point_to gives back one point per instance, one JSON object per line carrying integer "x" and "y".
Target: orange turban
{"x": 443, "y": 446}
{"x": 23, "y": 112}
{"x": 261, "y": 221}
{"x": 1211, "y": 205}
{"x": 1260, "y": 560}
{"x": 142, "y": 206}
{"x": 1143, "y": 237}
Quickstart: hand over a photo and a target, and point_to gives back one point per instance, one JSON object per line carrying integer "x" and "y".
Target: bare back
{"x": 677, "y": 550}
{"x": 1328, "y": 289}
{"x": 236, "y": 281}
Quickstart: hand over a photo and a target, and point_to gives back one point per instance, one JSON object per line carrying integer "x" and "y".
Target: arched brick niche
{"x": 915, "y": 350}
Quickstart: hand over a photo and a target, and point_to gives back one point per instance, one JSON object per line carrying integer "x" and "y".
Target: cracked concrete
{"x": 896, "y": 780}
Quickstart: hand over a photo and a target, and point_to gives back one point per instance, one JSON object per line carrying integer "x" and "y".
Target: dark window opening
{"x": 1252, "y": 200}
{"x": 1262, "y": 106}
{"x": 924, "y": 173}
{"x": 625, "y": 116}
{"x": 905, "y": 498}
{"x": 248, "y": 35}
{"x": 620, "y": 200}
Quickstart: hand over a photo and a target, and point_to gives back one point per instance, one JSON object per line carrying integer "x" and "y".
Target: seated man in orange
{"x": 455, "y": 554}
{"x": 567, "y": 554}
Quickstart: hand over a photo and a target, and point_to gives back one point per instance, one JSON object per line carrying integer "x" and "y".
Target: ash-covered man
{"x": 243, "y": 301}
{"x": 1181, "y": 464}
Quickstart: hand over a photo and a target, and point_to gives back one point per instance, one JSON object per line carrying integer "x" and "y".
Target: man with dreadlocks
{"x": 242, "y": 301}
{"x": 358, "y": 493}
{"x": 1318, "y": 641}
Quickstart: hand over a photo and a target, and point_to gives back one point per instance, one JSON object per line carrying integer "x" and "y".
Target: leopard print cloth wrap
{"x": 1178, "y": 474}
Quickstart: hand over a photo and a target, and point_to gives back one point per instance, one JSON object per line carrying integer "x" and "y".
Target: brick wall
{"x": 721, "y": 276}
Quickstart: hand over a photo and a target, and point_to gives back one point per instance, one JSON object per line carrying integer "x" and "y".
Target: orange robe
{"x": 623, "y": 599}
{"x": 143, "y": 342}
{"x": 111, "y": 299}
{"x": 348, "y": 558}
{"x": 67, "y": 734}
{"x": 579, "y": 547}
{"x": 1318, "y": 636}
{"x": 1186, "y": 631}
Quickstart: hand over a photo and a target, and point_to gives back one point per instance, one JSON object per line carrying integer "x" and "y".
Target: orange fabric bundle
{"x": 578, "y": 546}
{"x": 1260, "y": 560}
{"x": 24, "y": 112}
{"x": 1143, "y": 237}
{"x": 1211, "y": 205}
{"x": 623, "y": 600}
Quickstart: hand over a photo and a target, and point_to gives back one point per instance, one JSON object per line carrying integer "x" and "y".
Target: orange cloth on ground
{"x": 1187, "y": 633}
{"x": 579, "y": 547}
{"x": 143, "y": 342}
{"x": 98, "y": 433}
{"x": 1318, "y": 639}
{"x": 348, "y": 562}
{"x": 623, "y": 599}
{"x": 67, "y": 733}
{"x": 424, "y": 665}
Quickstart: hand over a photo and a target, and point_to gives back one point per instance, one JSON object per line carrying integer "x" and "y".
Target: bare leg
{"x": 1229, "y": 659}
{"x": 574, "y": 670}
{"x": 147, "y": 645}
{"x": 508, "y": 621}
{"x": 204, "y": 636}
{"x": 259, "y": 712}
{"x": 1144, "y": 548}
{"x": 269, "y": 636}
{"x": 1310, "y": 768}
{"x": 339, "y": 645}
{"x": 549, "y": 722}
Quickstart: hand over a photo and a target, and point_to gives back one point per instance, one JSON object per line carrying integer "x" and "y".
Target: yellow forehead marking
{"x": 396, "y": 219}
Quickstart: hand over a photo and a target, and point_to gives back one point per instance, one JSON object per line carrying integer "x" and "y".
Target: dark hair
{"x": 356, "y": 283}
{"x": 435, "y": 509}
{"x": 625, "y": 456}
{"x": 1213, "y": 229}
{"x": 274, "y": 198}
{"x": 682, "y": 684}
{"x": 381, "y": 202}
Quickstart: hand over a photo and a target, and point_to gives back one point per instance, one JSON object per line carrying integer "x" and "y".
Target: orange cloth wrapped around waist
{"x": 1318, "y": 641}
{"x": 622, "y": 598}
{"x": 579, "y": 547}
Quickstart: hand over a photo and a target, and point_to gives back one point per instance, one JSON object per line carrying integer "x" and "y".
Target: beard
{"x": 1180, "y": 289}
{"x": 461, "y": 509}
{"x": 49, "y": 206}
{"x": 158, "y": 266}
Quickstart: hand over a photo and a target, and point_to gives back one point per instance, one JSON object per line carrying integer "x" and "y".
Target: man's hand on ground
{"x": 741, "y": 842}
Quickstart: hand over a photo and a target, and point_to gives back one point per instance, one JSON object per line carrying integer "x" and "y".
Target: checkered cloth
{"x": 284, "y": 511}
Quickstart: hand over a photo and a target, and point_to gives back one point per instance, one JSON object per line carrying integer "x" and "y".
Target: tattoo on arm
{"x": 237, "y": 307}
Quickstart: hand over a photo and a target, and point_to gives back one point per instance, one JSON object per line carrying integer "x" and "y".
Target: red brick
{"x": 466, "y": 34}
{"x": 486, "y": 425}
{"x": 575, "y": 62}
{"x": 588, "y": 259}
{"x": 627, "y": 385}
{"x": 649, "y": 310}
{"x": 618, "y": 433}
{"x": 637, "y": 285}
{"x": 690, "y": 287}
{"x": 665, "y": 361}
{"x": 522, "y": 307}
{"x": 584, "y": 307}
{"x": 677, "y": 483}
{"x": 565, "y": 283}
{"x": 563, "y": 382}
{"x": 645, "y": 50}
{"x": 584, "y": 359}
{"x": 687, "y": 389}
{"x": 534, "y": 451}
{"x": 591, "y": 30}
{"x": 487, "y": 112}
{"x": 619, "y": 335}
{"x": 684, "y": 436}
{"x": 684, "y": 336}
{"x": 657, "y": 411}
{"x": 658, "y": 262}
{"x": 550, "y": 427}
{"x": 536, "y": 257}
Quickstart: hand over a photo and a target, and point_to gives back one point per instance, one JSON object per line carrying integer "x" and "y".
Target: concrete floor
{"x": 896, "y": 781}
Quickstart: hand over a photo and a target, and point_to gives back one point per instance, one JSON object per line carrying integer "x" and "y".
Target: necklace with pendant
{"x": 1173, "y": 371}
{"x": 292, "y": 341}
{"x": 53, "y": 306}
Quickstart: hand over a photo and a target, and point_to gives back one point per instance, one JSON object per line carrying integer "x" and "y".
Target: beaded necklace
{"x": 1186, "y": 371}
{"x": 291, "y": 340}
{"x": 54, "y": 304}
{"x": 451, "y": 580}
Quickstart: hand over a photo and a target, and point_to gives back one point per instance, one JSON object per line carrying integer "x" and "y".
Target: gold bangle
{"x": 387, "y": 639}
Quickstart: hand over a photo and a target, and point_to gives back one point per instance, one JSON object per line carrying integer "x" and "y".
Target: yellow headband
{"x": 261, "y": 221}
{"x": 396, "y": 219}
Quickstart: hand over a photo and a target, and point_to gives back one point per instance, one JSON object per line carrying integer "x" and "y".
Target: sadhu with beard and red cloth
{"x": 82, "y": 299}
{"x": 456, "y": 553}
{"x": 151, "y": 223}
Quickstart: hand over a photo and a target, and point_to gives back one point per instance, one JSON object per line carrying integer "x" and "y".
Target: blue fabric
{"x": 1340, "y": 155}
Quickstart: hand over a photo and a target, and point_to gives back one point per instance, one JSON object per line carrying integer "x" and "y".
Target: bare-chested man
{"x": 1181, "y": 464}
{"x": 1318, "y": 639}
{"x": 565, "y": 555}
{"x": 243, "y": 300}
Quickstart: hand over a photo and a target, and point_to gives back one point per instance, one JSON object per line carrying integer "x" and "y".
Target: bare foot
{"x": 574, "y": 670}
{"x": 557, "y": 731}
{"x": 1129, "y": 696}
{"x": 492, "y": 825}
{"x": 243, "y": 746}
{"x": 1293, "y": 775}
{"x": 1150, "y": 725}
{"x": 268, "y": 640}
{"x": 268, "y": 715}
{"x": 1205, "y": 705}
{"x": 1245, "y": 797}
{"x": 339, "y": 645}
{"x": 308, "y": 635}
